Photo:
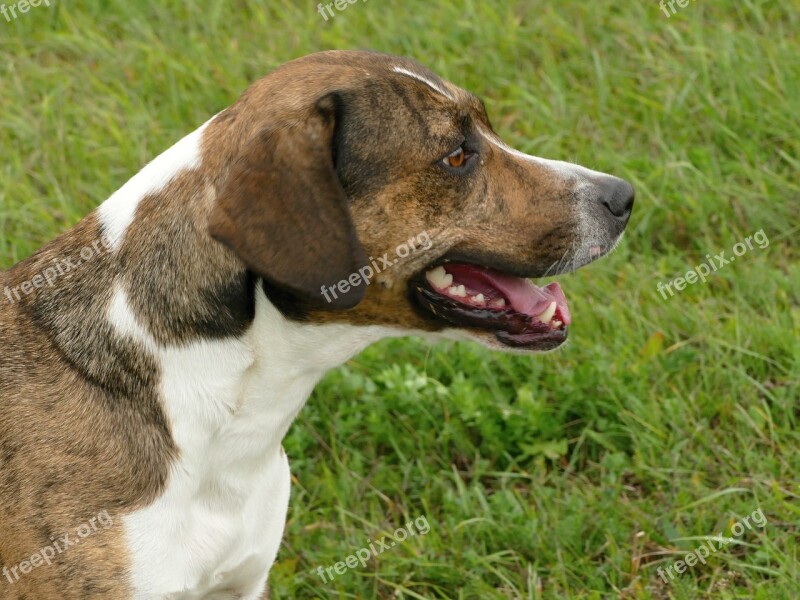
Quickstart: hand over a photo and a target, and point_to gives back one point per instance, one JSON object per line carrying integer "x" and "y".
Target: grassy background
{"x": 571, "y": 475}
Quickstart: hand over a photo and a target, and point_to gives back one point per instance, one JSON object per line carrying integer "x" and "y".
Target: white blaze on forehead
{"x": 434, "y": 86}
{"x": 117, "y": 213}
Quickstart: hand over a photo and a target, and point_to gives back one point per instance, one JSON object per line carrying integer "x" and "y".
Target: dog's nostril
{"x": 617, "y": 197}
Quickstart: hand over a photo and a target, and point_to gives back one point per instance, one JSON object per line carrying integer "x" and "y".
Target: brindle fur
{"x": 82, "y": 428}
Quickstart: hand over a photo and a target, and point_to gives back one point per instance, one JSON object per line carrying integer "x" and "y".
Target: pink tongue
{"x": 522, "y": 294}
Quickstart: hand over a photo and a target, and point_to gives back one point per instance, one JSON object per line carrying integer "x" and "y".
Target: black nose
{"x": 617, "y": 196}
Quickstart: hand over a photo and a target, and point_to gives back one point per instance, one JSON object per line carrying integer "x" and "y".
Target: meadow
{"x": 577, "y": 474}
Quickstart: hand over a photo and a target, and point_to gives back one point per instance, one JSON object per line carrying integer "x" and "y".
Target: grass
{"x": 571, "y": 475}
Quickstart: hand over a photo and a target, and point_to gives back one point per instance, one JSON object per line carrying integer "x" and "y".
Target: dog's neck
{"x": 264, "y": 375}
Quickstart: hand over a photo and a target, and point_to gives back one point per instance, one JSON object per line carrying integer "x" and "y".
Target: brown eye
{"x": 457, "y": 159}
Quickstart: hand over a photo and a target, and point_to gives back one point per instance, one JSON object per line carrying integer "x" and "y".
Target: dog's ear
{"x": 283, "y": 211}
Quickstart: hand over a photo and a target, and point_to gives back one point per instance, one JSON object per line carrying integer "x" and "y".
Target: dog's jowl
{"x": 154, "y": 380}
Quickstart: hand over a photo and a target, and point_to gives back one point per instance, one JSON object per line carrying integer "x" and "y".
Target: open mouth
{"x": 520, "y": 314}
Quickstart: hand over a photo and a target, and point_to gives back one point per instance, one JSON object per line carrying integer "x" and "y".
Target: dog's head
{"x": 365, "y": 189}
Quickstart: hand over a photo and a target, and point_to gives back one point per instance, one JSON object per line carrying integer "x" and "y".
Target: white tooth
{"x": 555, "y": 324}
{"x": 439, "y": 278}
{"x": 548, "y": 313}
{"x": 457, "y": 290}
{"x": 479, "y": 299}
{"x": 434, "y": 275}
{"x": 462, "y": 291}
{"x": 499, "y": 303}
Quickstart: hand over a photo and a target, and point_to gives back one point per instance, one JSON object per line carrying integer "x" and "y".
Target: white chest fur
{"x": 216, "y": 529}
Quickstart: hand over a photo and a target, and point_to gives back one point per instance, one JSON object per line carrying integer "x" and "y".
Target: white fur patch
{"x": 116, "y": 213}
{"x": 434, "y": 86}
{"x": 565, "y": 169}
{"x": 216, "y": 529}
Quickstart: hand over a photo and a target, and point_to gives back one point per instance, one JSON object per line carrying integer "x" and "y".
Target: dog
{"x": 152, "y": 382}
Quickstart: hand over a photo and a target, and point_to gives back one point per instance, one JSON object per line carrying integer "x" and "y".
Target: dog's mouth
{"x": 520, "y": 314}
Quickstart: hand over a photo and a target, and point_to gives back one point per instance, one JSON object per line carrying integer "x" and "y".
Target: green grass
{"x": 571, "y": 475}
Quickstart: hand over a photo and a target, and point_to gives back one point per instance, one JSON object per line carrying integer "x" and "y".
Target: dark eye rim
{"x": 469, "y": 159}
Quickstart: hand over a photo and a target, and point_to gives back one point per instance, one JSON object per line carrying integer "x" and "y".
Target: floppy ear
{"x": 283, "y": 211}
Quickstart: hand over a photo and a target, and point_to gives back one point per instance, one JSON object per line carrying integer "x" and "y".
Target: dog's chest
{"x": 213, "y": 534}
{"x": 216, "y": 529}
